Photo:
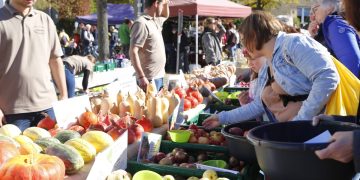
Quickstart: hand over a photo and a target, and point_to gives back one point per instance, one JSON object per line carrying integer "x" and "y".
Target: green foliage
{"x": 264, "y": 4}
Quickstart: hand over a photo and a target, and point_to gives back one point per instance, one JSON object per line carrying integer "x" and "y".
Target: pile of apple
{"x": 200, "y": 136}
{"x": 243, "y": 84}
{"x": 238, "y": 131}
{"x": 177, "y": 157}
{"x": 192, "y": 97}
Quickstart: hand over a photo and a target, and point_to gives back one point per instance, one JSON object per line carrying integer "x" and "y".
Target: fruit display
{"x": 10, "y": 130}
{"x": 35, "y": 133}
{"x": 85, "y": 149}
{"x": 119, "y": 175}
{"x": 7, "y": 151}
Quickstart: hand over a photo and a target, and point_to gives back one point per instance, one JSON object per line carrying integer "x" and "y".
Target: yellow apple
{"x": 210, "y": 174}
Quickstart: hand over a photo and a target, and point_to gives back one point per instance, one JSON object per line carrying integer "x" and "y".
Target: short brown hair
{"x": 258, "y": 28}
{"x": 209, "y": 21}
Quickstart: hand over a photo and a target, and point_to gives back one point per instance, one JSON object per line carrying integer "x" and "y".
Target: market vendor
{"x": 75, "y": 65}
{"x": 30, "y": 60}
{"x": 147, "y": 50}
{"x": 297, "y": 80}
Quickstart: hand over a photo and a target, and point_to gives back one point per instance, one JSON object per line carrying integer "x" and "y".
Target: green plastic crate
{"x": 110, "y": 66}
{"x": 197, "y": 120}
{"x": 221, "y": 107}
{"x": 250, "y": 172}
{"x": 235, "y": 89}
{"x": 99, "y": 67}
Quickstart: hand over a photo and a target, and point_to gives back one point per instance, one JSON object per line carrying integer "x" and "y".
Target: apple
{"x": 222, "y": 178}
{"x": 175, "y": 150}
{"x": 233, "y": 161}
{"x": 192, "y": 178}
{"x": 193, "y": 139}
{"x": 193, "y": 126}
{"x": 236, "y": 131}
{"x": 168, "y": 177}
{"x": 166, "y": 161}
{"x": 158, "y": 156}
{"x": 212, "y": 133}
{"x": 116, "y": 132}
{"x": 191, "y": 166}
{"x": 217, "y": 137}
{"x": 202, "y": 157}
{"x": 181, "y": 157}
{"x": 203, "y": 140}
{"x": 184, "y": 165}
{"x": 119, "y": 174}
{"x": 210, "y": 174}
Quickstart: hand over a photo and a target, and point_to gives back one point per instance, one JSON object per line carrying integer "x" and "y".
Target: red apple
{"x": 193, "y": 139}
{"x": 236, "y": 131}
{"x": 158, "y": 156}
{"x": 203, "y": 140}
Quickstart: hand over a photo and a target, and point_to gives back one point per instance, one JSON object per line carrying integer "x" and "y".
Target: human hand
{"x": 211, "y": 122}
{"x": 316, "y": 119}
{"x": 2, "y": 118}
{"x": 313, "y": 28}
{"x": 143, "y": 82}
{"x": 244, "y": 98}
{"x": 340, "y": 149}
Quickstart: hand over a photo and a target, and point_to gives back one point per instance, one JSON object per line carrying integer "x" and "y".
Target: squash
{"x": 174, "y": 101}
{"x": 100, "y": 140}
{"x": 131, "y": 100}
{"x": 119, "y": 97}
{"x": 138, "y": 111}
{"x": 9, "y": 140}
{"x": 95, "y": 104}
{"x": 33, "y": 167}
{"x": 124, "y": 108}
{"x": 108, "y": 104}
{"x": 46, "y": 142}
{"x": 27, "y": 146}
{"x": 35, "y": 133}
{"x": 158, "y": 115}
{"x": 66, "y": 135}
{"x": 69, "y": 155}
{"x": 7, "y": 151}
{"x": 87, "y": 118}
{"x": 119, "y": 175}
{"x": 86, "y": 150}
{"x": 151, "y": 90}
{"x": 10, "y": 130}
{"x": 164, "y": 109}
{"x": 140, "y": 94}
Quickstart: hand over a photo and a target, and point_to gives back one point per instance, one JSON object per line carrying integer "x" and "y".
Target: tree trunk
{"x": 102, "y": 26}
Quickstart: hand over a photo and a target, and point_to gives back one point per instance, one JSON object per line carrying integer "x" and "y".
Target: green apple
{"x": 168, "y": 177}
{"x": 222, "y": 178}
{"x": 210, "y": 174}
{"x": 192, "y": 178}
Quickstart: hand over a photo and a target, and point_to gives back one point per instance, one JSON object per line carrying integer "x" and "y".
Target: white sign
{"x": 66, "y": 111}
{"x": 149, "y": 146}
{"x": 112, "y": 158}
{"x": 324, "y": 137}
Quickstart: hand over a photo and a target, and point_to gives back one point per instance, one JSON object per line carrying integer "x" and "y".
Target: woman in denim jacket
{"x": 341, "y": 39}
{"x": 299, "y": 66}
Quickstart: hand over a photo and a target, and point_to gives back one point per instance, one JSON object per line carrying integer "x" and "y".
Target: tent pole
{"x": 197, "y": 40}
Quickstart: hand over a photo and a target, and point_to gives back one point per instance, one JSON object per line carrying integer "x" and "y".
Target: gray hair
{"x": 335, "y": 4}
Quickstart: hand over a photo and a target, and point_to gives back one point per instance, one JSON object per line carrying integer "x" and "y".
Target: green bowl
{"x": 146, "y": 175}
{"x": 179, "y": 136}
{"x": 216, "y": 163}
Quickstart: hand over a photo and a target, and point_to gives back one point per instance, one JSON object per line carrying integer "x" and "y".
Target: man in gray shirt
{"x": 147, "y": 50}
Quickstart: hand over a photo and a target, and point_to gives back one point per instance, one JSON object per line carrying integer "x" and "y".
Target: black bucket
{"x": 239, "y": 146}
{"x": 282, "y": 155}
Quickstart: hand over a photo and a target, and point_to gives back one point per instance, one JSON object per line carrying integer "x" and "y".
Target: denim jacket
{"x": 343, "y": 42}
{"x": 301, "y": 66}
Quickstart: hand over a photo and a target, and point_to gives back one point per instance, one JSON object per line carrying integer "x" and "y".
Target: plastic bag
{"x": 345, "y": 100}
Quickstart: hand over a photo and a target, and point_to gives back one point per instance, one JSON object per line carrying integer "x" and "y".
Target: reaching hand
{"x": 316, "y": 119}
{"x": 340, "y": 149}
{"x": 211, "y": 122}
{"x": 244, "y": 98}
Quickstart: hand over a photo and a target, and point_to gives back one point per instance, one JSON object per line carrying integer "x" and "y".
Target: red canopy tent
{"x": 217, "y": 8}
{"x": 220, "y": 8}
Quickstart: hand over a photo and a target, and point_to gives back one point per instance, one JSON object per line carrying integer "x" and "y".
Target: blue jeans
{"x": 159, "y": 83}
{"x": 25, "y": 120}
{"x": 70, "y": 82}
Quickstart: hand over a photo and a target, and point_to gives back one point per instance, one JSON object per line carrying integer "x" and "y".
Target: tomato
{"x": 196, "y": 94}
{"x": 194, "y": 101}
{"x": 187, "y": 104}
{"x": 180, "y": 92}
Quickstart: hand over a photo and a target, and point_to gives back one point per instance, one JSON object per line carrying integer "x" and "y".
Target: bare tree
{"x": 102, "y": 22}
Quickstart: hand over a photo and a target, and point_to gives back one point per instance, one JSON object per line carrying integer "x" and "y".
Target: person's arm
{"x": 58, "y": 74}
{"x": 165, "y": 12}
{"x": 85, "y": 80}
{"x": 138, "y": 37}
{"x": 344, "y": 44}
{"x": 2, "y": 118}
{"x": 316, "y": 64}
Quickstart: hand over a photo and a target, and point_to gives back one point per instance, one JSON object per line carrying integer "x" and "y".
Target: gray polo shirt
{"x": 26, "y": 46}
{"x": 146, "y": 34}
